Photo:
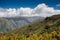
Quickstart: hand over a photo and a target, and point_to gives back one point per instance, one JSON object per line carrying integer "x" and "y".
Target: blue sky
{"x": 28, "y": 3}
{"x": 29, "y": 8}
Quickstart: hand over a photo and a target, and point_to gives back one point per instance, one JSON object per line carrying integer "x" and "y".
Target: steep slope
{"x": 8, "y": 24}
{"x": 48, "y": 25}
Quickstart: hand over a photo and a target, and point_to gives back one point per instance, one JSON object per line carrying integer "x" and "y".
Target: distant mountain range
{"x": 8, "y": 24}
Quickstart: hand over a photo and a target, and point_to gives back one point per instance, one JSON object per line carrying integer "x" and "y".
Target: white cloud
{"x": 24, "y": 11}
{"x": 43, "y": 10}
{"x": 40, "y": 10}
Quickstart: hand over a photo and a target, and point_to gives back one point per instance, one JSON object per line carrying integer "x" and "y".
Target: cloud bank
{"x": 40, "y": 10}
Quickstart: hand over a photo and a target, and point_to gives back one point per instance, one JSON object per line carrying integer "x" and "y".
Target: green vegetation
{"x": 48, "y": 29}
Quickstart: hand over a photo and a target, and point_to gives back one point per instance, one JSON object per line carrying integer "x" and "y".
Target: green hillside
{"x": 48, "y": 25}
{"x": 48, "y": 29}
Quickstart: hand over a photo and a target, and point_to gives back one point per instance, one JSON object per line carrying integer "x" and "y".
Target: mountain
{"x": 9, "y": 24}
{"x": 49, "y": 24}
{"x": 48, "y": 29}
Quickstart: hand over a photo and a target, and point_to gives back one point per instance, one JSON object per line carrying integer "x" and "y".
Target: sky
{"x": 13, "y": 8}
{"x": 28, "y": 3}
